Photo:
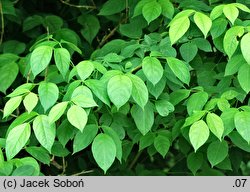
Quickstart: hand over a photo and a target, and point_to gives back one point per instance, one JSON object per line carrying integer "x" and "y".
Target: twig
{"x": 83, "y": 172}
{"x": 78, "y": 6}
{"x": 106, "y": 37}
{"x": 12, "y": 115}
{"x": 57, "y": 165}
{"x": 134, "y": 161}
{"x": 2, "y": 23}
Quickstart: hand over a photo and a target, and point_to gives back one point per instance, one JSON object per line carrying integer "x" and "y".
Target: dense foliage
{"x": 125, "y": 87}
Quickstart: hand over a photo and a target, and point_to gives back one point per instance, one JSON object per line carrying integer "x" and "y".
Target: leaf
{"x": 40, "y": 59}
{"x": 65, "y": 132}
{"x": 178, "y": 96}
{"x": 178, "y": 28}
{"x": 196, "y": 116}
{"x": 111, "y": 7}
{"x": 83, "y": 139}
{"x": 146, "y": 140}
{"x": 84, "y": 69}
{"x": 59, "y": 150}
{"x": 242, "y": 124}
{"x": 119, "y": 89}
{"x": 39, "y": 153}
{"x": 164, "y": 107}
{"x": 44, "y": 131}
{"x": 151, "y": 11}
{"x": 198, "y": 134}
{"x": 239, "y": 141}
{"x": 216, "y": 12}
{"x": 152, "y": 69}
{"x": 16, "y": 139}
{"x": 62, "y": 60}
{"x": 196, "y": 102}
{"x": 227, "y": 117}
{"x": 82, "y": 96}
{"x": 11, "y": 105}
{"x": 217, "y": 152}
{"x": 244, "y": 77}
{"x": 167, "y": 8}
{"x": 24, "y": 170}
{"x": 245, "y": 47}
{"x": 104, "y": 151}
{"x": 215, "y": 124}
{"x": 57, "y": 111}
{"x": 194, "y": 161}
{"x": 203, "y": 22}
{"x": 30, "y": 101}
{"x": 188, "y": 51}
{"x": 231, "y": 12}
{"x": 157, "y": 89}
{"x": 139, "y": 90}
{"x": 48, "y": 94}
{"x": 233, "y": 65}
{"x": 144, "y": 119}
{"x": 218, "y": 27}
{"x": 77, "y": 116}
{"x": 162, "y": 144}
{"x": 230, "y": 42}
{"x": 91, "y": 26}
{"x": 180, "y": 69}
{"x": 8, "y": 73}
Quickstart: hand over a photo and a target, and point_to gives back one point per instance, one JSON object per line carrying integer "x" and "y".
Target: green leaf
{"x": 16, "y": 139}
{"x": 90, "y": 25}
{"x": 239, "y": 141}
{"x": 11, "y": 105}
{"x": 59, "y": 150}
{"x": 24, "y": 170}
{"x": 84, "y": 69}
{"x": 151, "y": 11}
{"x": 53, "y": 23}
{"x": 196, "y": 102}
{"x": 242, "y": 7}
{"x": 217, "y": 152}
{"x": 40, "y": 59}
{"x": 167, "y": 8}
{"x": 157, "y": 89}
{"x": 233, "y": 65}
{"x": 178, "y": 96}
{"x": 203, "y": 22}
{"x": 194, "y": 162}
{"x": 8, "y": 73}
{"x": 162, "y": 144}
{"x": 188, "y": 51}
{"x": 82, "y": 96}
{"x": 242, "y": 124}
{"x": 30, "y": 101}
{"x": 119, "y": 90}
{"x": 227, "y": 117}
{"x": 178, "y": 28}
{"x": 245, "y": 47}
{"x": 231, "y": 12}
{"x": 65, "y": 132}
{"x": 198, "y": 134}
{"x": 216, "y": 12}
{"x": 111, "y": 7}
{"x": 218, "y": 27}
{"x": 152, "y": 69}
{"x": 144, "y": 119}
{"x": 57, "y": 111}
{"x": 21, "y": 90}
{"x": 77, "y": 116}
{"x": 84, "y": 138}
{"x": 244, "y": 77}
{"x": 164, "y": 107}
{"x": 44, "y": 131}
{"x": 28, "y": 161}
{"x": 215, "y": 124}
{"x": 180, "y": 69}
{"x": 39, "y": 153}
{"x": 196, "y": 116}
{"x": 62, "y": 60}
{"x": 230, "y": 42}
{"x": 139, "y": 90}
{"x": 104, "y": 151}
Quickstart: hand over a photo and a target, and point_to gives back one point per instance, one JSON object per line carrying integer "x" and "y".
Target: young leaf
{"x": 11, "y": 105}
{"x": 242, "y": 124}
{"x": 62, "y": 60}
{"x": 215, "y": 124}
{"x": 194, "y": 162}
{"x": 152, "y": 69}
{"x": 198, "y": 134}
{"x": 77, "y": 116}
{"x": 203, "y": 22}
{"x": 44, "y": 131}
{"x": 245, "y": 47}
{"x": 16, "y": 139}
{"x": 144, "y": 119}
{"x": 40, "y": 59}
{"x": 217, "y": 152}
{"x": 139, "y": 90}
{"x": 84, "y": 69}
{"x": 30, "y": 101}
{"x": 162, "y": 144}
{"x": 83, "y": 97}
{"x": 151, "y": 11}
{"x": 196, "y": 102}
{"x": 57, "y": 111}
{"x": 231, "y": 12}
{"x": 243, "y": 77}
{"x": 180, "y": 69}
{"x": 104, "y": 151}
{"x": 119, "y": 90}
{"x": 48, "y": 94}
{"x": 84, "y": 138}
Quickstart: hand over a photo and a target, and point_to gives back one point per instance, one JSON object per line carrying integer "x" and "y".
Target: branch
{"x": 78, "y": 6}
{"x": 82, "y": 172}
